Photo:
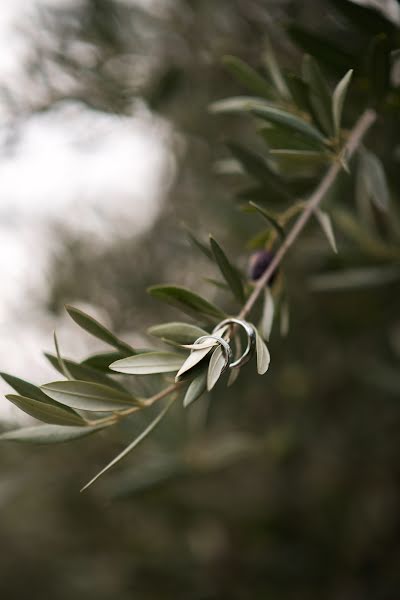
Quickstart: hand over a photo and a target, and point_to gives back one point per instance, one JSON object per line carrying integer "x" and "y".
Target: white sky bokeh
{"x": 88, "y": 170}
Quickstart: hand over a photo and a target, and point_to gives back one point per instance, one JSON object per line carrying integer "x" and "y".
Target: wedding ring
{"x": 251, "y": 340}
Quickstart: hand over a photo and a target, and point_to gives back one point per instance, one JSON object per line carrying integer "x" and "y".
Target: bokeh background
{"x": 285, "y": 486}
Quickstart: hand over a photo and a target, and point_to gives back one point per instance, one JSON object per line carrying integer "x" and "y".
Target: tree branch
{"x": 366, "y": 120}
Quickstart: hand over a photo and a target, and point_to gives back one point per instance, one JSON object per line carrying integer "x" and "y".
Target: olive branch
{"x": 70, "y": 408}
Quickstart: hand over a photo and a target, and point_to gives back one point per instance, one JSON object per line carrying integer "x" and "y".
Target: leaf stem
{"x": 366, "y": 120}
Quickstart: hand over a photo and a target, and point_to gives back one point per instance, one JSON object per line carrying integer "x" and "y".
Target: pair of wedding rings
{"x": 250, "y": 347}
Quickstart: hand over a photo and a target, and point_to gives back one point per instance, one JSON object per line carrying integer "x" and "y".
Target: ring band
{"x": 226, "y": 347}
{"x": 251, "y": 340}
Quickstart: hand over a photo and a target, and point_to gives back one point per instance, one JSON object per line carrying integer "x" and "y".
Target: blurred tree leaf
{"x": 271, "y": 218}
{"x": 83, "y": 372}
{"x": 92, "y": 326}
{"x": 187, "y": 301}
{"x": 354, "y": 278}
{"x": 267, "y": 316}
{"x": 331, "y": 54}
{"x": 196, "y": 388}
{"x": 263, "y": 356}
{"x": 338, "y": 98}
{"x": 246, "y": 75}
{"x": 326, "y": 225}
{"x": 375, "y": 183}
{"x": 319, "y": 94}
{"x": 229, "y": 272}
{"x": 102, "y": 360}
{"x": 379, "y": 68}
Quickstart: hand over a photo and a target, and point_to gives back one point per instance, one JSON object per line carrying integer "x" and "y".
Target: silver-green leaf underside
{"x": 177, "y": 333}
{"x": 338, "y": 98}
{"x": 47, "y": 434}
{"x": 90, "y": 396}
{"x": 216, "y": 367}
{"x": 149, "y": 363}
{"x": 263, "y": 356}
{"x": 48, "y": 413}
{"x": 326, "y": 225}
{"x": 196, "y": 388}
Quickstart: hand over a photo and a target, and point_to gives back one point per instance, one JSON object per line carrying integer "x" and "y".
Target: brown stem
{"x": 366, "y": 120}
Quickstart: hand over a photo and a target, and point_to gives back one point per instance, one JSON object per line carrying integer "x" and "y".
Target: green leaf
{"x": 62, "y": 366}
{"x": 196, "y": 388}
{"x": 229, "y": 272}
{"x": 90, "y": 396}
{"x": 375, "y": 180}
{"x": 196, "y": 242}
{"x": 338, "y": 98}
{"x": 97, "y": 330}
{"x": 263, "y": 356}
{"x": 267, "y": 317}
{"x": 216, "y": 367}
{"x": 234, "y": 373}
{"x": 177, "y": 333}
{"x": 102, "y": 360}
{"x": 281, "y": 137}
{"x": 299, "y": 92}
{"x": 275, "y": 115}
{"x": 49, "y": 413}
{"x": 320, "y": 97}
{"x": 246, "y": 75}
{"x": 326, "y": 225}
{"x": 47, "y": 434}
{"x": 83, "y": 372}
{"x": 133, "y": 445}
{"x": 192, "y": 360}
{"x": 258, "y": 168}
{"x": 24, "y": 388}
{"x": 149, "y": 363}
{"x": 274, "y": 71}
{"x": 300, "y": 159}
{"x": 271, "y": 218}
{"x": 379, "y": 68}
{"x": 267, "y": 112}
{"x": 187, "y": 301}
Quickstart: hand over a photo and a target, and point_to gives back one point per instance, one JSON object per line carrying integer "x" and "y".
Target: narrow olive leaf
{"x": 177, "y": 333}
{"x": 263, "y": 356}
{"x": 284, "y": 317}
{"x": 48, "y": 434}
{"x": 133, "y": 445}
{"x": 267, "y": 317}
{"x": 237, "y": 104}
{"x": 375, "y": 180}
{"x": 24, "y": 388}
{"x": 246, "y": 75}
{"x": 95, "y": 328}
{"x": 338, "y": 98}
{"x": 270, "y": 218}
{"x": 83, "y": 372}
{"x": 192, "y": 360}
{"x": 149, "y": 363}
{"x": 299, "y": 92}
{"x": 221, "y": 285}
{"x": 280, "y": 137}
{"x": 326, "y": 225}
{"x": 348, "y": 279}
{"x": 299, "y": 158}
{"x": 90, "y": 396}
{"x": 229, "y": 272}
{"x": 200, "y": 346}
{"x": 257, "y": 167}
{"x": 275, "y": 115}
{"x": 196, "y": 388}
{"x": 186, "y": 301}
{"x": 48, "y": 413}
{"x": 275, "y": 72}
{"x": 102, "y": 360}
{"x": 196, "y": 242}
{"x": 216, "y": 367}
{"x": 319, "y": 94}
{"x": 63, "y": 367}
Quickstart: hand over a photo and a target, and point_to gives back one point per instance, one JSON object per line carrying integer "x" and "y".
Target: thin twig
{"x": 366, "y": 120}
